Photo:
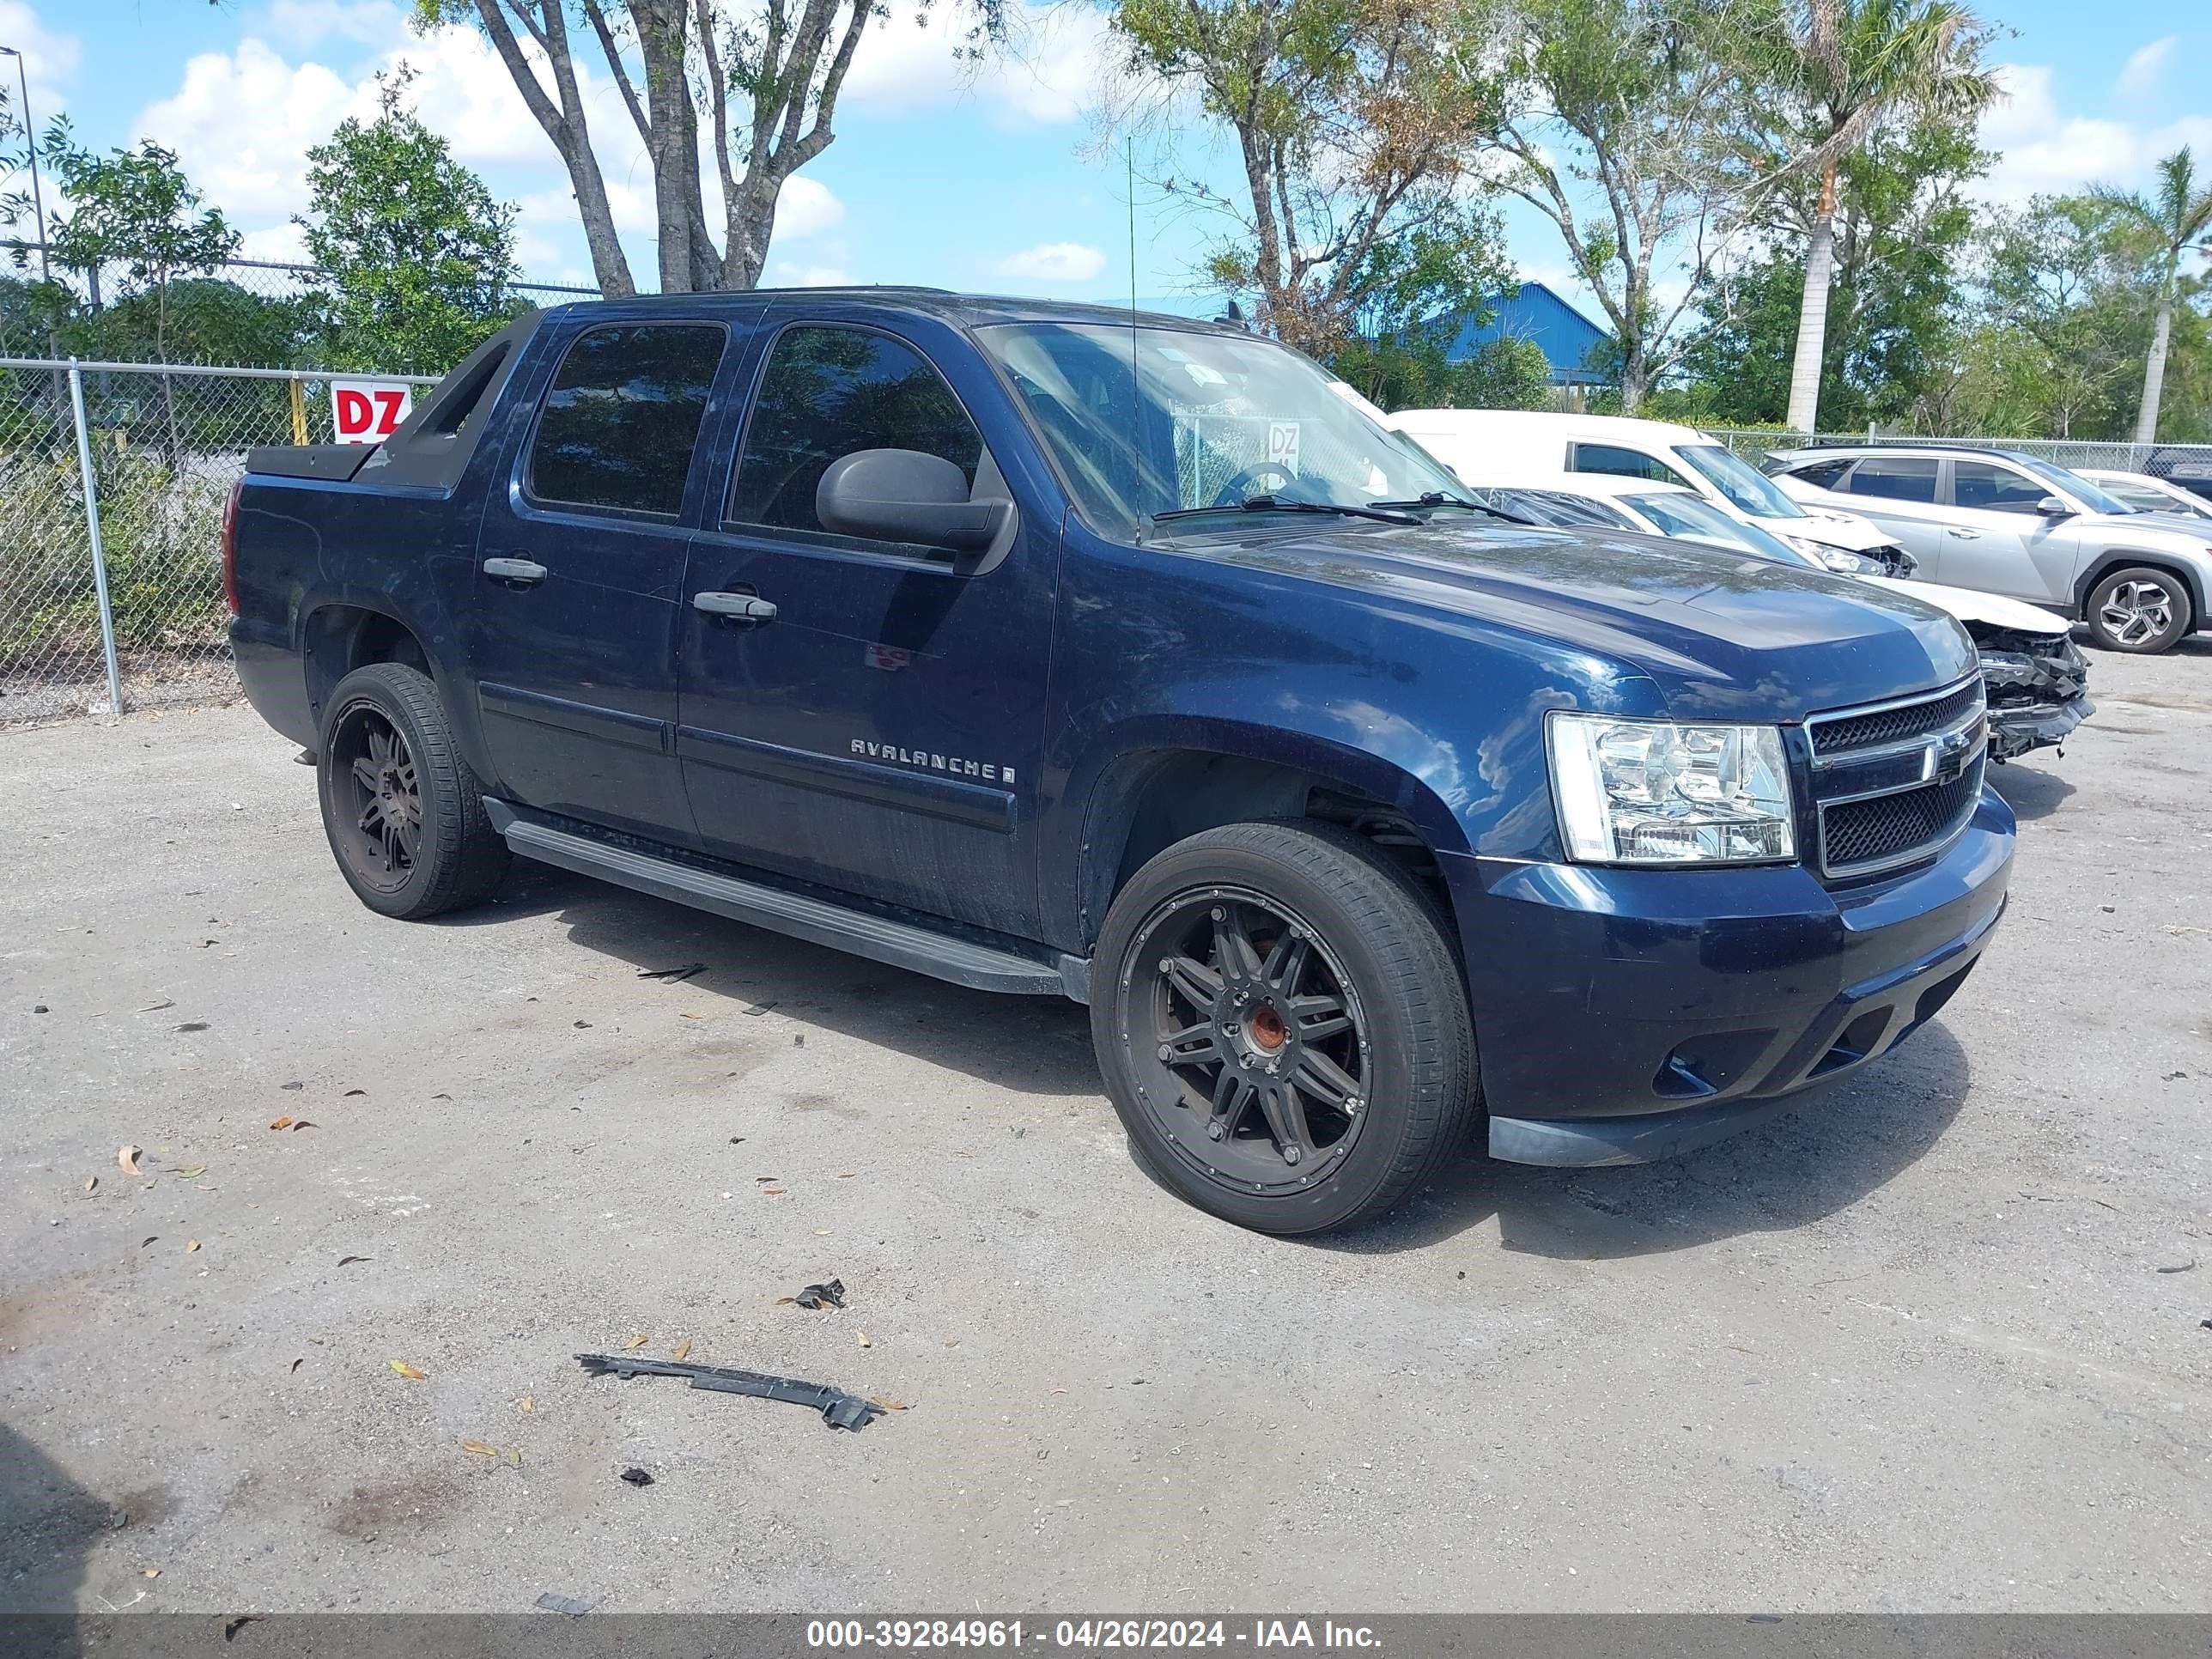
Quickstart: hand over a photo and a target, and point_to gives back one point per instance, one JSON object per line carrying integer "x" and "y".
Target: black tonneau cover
{"x": 330, "y": 463}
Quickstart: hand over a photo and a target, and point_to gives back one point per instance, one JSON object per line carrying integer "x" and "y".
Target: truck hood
{"x": 1723, "y": 636}
{"x": 1831, "y": 529}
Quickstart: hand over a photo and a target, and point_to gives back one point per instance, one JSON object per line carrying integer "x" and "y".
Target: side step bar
{"x": 901, "y": 944}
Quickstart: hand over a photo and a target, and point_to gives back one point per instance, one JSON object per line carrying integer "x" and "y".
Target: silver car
{"x": 2002, "y": 522}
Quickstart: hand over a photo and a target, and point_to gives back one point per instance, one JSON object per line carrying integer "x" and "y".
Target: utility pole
{"x": 31, "y": 149}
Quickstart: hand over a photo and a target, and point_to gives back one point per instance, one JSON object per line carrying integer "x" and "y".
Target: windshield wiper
{"x": 1276, "y": 504}
{"x": 1437, "y": 498}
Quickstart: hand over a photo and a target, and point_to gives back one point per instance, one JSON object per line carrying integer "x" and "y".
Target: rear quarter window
{"x": 622, "y": 418}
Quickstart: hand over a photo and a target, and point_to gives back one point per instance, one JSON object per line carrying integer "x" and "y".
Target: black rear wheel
{"x": 403, "y": 813}
{"x": 1285, "y": 1033}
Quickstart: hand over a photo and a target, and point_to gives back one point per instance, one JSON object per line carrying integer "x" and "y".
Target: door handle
{"x": 1963, "y": 535}
{"x": 522, "y": 572}
{"x": 739, "y": 607}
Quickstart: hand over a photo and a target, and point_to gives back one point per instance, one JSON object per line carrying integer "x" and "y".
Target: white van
{"x": 1501, "y": 447}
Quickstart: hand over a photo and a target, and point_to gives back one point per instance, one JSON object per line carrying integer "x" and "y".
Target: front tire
{"x": 403, "y": 813}
{"x": 1282, "y": 1027}
{"x": 2139, "y": 610}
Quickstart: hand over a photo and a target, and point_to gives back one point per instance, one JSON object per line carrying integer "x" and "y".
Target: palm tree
{"x": 1846, "y": 67}
{"x": 2177, "y": 221}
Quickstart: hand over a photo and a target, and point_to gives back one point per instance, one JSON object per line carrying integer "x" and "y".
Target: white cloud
{"x": 1053, "y": 261}
{"x": 306, "y": 24}
{"x": 804, "y": 206}
{"x": 2043, "y": 150}
{"x": 783, "y": 274}
{"x": 2146, "y": 64}
{"x": 50, "y": 60}
{"x": 255, "y": 170}
{"x": 1043, "y": 75}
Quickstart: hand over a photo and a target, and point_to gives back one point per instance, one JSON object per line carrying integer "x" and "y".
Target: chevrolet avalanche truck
{"x": 1053, "y": 649}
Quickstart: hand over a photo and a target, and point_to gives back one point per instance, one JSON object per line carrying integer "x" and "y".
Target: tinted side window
{"x": 1622, "y": 463}
{"x": 1900, "y": 479}
{"x": 622, "y": 417}
{"x": 827, "y": 392}
{"x": 1994, "y": 489}
{"x": 1821, "y": 474}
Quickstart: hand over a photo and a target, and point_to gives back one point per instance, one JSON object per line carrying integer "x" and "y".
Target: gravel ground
{"x": 1935, "y": 1341}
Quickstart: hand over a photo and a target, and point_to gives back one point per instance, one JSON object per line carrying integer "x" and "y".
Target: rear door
{"x": 1997, "y": 543}
{"x": 1898, "y": 493}
{"x": 580, "y": 569}
{"x": 881, "y": 732}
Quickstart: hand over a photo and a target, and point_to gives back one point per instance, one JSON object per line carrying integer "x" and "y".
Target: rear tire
{"x": 405, "y": 814}
{"x": 1278, "y": 1014}
{"x": 2139, "y": 610}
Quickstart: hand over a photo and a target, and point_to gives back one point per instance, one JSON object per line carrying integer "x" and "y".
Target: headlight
{"x": 1651, "y": 792}
{"x": 1851, "y": 564}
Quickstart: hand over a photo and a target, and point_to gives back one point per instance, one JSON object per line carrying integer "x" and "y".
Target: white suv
{"x": 2007, "y": 523}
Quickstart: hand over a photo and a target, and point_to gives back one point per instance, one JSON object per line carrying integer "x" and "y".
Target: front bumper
{"x": 2017, "y": 728}
{"x": 1627, "y": 1015}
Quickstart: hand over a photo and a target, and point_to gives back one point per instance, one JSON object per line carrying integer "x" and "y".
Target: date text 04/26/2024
{"x": 1085, "y": 1635}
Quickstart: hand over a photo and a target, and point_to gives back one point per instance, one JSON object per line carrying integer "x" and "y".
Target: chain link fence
{"x": 113, "y": 481}
{"x": 2191, "y": 464}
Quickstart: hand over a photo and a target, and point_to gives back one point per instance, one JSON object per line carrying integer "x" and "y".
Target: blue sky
{"x": 989, "y": 180}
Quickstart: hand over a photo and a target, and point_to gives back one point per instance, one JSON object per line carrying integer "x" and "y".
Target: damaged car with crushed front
{"x": 1055, "y": 650}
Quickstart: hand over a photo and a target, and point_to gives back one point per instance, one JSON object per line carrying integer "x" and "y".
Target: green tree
{"x": 419, "y": 253}
{"x": 2175, "y": 221}
{"x": 1618, "y": 130}
{"x": 1841, "y": 69}
{"x": 1900, "y": 234}
{"x": 2065, "y": 320}
{"x": 1356, "y": 125}
{"x": 134, "y": 208}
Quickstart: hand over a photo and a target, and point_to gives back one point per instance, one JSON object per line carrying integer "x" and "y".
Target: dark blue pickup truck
{"x": 1057, "y": 650}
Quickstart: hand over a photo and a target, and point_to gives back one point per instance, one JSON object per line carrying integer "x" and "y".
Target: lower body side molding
{"x": 880, "y": 939}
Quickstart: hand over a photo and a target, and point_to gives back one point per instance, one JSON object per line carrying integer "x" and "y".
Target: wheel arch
{"x": 339, "y": 636}
{"x": 1155, "y": 787}
{"x": 2165, "y": 563}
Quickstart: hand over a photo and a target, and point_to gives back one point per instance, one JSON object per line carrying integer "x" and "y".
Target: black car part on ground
{"x": 839, "y": 1410}
{"x": 2036, "y": 685}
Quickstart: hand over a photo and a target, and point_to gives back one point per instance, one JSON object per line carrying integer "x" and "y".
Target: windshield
{"x": 1209, "y": 420}
{"x": 2091, "y": 496}
{"x": 1742, "y": 484}
{"x": 1680, "y": 513}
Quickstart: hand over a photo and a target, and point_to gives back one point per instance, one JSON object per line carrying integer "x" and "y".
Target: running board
{"x": 901, "y": 945}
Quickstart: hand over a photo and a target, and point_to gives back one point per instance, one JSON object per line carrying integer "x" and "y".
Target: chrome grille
{"x": 1834, "y": 734}
{"x": 1896, "y": 782}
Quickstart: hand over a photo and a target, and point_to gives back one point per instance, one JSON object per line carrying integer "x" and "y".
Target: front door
{"x": 578, "y": 604}
{"x": 1997, "y": 543}
{"x": 875, "y": 723}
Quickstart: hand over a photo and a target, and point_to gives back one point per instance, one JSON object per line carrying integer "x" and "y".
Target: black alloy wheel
{"x": 379, "y": 835}
{"x": 1259, "y": 1047}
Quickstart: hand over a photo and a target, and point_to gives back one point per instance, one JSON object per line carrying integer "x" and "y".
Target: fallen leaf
{"x": 299, "y": 1123}
{"x": 514, "y": 1455}
{"x": 191, "y": 1244}
{"x": 150, "y": 1572}
{"x": 127, "y": 1158}
{"x": 844, "y": 1175}
{"x": 296, "y": 1085}
{"x": 90, "y": 1182}
{"x": 822, "y": 1232}
{"x": 864, "y": 1339}
{"x": 695, "y": 1015}
{"x": 884, "y": 1402}
{"x": 771, "y": 1192}
{"x": 347, "y": 1261}
{"x": 637, "y": 1342}
{"x": 193, "y": 1173}
{"x": 528, "y": 1405}
{"x": 1060, "y": 1390}
{"x": 148, "y": 1239}
{"x": 156, "y": 1008}
{"x": 299, "y": 1362}
{"x": 637, "y": 1476}
{"x": 478, "y": 1448}
{"x": 951, "y": 1341}
{"x": 350, "y": 1093}
{"x": 193, "y": 1025}
{"x": 682, "y": 1350}
{"x": 408, "y": 1371}
{"x": 281, "y": 1123}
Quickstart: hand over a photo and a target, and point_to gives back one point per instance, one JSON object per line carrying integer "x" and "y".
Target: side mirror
{"x": 904, "y": 496}
{"x": 2051, "y": 508}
